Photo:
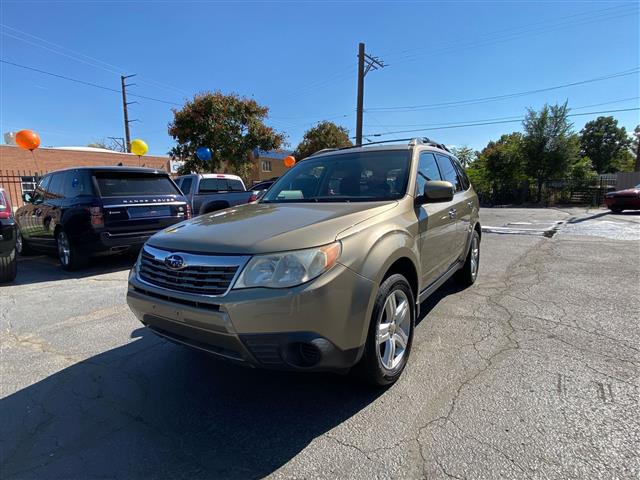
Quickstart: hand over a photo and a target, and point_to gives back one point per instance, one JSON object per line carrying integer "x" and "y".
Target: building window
{"x": 28, "y": 184}
{"x": 266, "y": 165}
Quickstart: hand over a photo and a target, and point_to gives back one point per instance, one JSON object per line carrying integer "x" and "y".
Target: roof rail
{"x": 412, "y": 142}
{"x": 431, "y": 143}
{"x": 325, "y": 150}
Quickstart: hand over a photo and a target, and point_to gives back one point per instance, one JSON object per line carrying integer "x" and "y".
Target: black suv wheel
{"x": 68, "y": 254}
{"x": 22, "y": 247}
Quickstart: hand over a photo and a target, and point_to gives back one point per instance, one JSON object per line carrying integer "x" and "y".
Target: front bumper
{"x": 321, "y": 325}
{"x": 628, "y": 202}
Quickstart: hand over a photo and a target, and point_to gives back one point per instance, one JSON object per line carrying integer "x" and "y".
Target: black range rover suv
{"x": 84, "y": 212}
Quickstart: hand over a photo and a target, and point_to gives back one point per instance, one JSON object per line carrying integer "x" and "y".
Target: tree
{"x": 549, "y": 145}
{"x": 324, "y": 135}
{"x": 465, "y": 154}
{"x": 606, "y": 144}
{"x": 229, "y": 125}
{"x": 582, "y": 174}
{"x": 107, "y": 144}
{"x": 502, "y": 163}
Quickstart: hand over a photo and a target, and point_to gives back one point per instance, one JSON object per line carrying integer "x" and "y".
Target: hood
{"x": 265, "y": 228}
{"x": 628, "y": 191}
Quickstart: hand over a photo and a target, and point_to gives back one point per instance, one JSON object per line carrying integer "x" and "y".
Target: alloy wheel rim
{"x": 19, "y": 242}
{"x": 475, "y": 256}
{"x": 64, "y": 250}
{"x": 394, "y": 327}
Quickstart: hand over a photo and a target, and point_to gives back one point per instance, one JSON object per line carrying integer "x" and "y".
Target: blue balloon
{"x": 204, "y": 153}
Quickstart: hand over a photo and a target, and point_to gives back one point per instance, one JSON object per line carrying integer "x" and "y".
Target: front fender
{"x": 371, "y": 254}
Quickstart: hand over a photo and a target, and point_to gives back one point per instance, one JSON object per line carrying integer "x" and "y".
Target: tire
{"x": 9, "y": 267}
{"x": 467, "y": 275}
{"x": 22, "y": 247}
{"x": 377, "y": 366}
{"x": 68, "y": 256}
{"x": 616, "y": 209}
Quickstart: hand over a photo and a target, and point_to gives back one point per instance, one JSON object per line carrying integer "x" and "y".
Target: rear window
{"x": 124, "y": 184}
{"x": 209, "y": 185}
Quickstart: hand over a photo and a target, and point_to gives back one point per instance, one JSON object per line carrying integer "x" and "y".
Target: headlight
{"x": 287, "y": 269}
{"x": 136, "y": 266}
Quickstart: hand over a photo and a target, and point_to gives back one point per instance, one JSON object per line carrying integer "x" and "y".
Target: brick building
{"x": 20, "y": 168}
{"x": 267, "y": 165}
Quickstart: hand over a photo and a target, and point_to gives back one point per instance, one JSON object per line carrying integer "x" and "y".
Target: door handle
{"x": 452, "y": 213}
{"x": 470, "y": 204}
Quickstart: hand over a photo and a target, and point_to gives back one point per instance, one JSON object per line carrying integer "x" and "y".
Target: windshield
{"x": 348, "y": 177}
{"x": 124, "y": 184}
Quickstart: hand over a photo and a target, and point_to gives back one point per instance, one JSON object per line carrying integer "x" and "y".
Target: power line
{"x": 79, "y": 56}
{"x": 416, "y": 51}
{"x": 488, "y": 40}
{"x": 90, "y": 84}
{"x": 478, "y": 124}
{"x": 439, "y": 124}
{"x": 473, "y": 101}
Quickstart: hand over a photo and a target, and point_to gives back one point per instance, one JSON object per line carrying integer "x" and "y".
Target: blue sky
{"x": 299, "y": 59}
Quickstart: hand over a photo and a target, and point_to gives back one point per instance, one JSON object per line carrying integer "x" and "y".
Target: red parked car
{"x": 628, "y": 199}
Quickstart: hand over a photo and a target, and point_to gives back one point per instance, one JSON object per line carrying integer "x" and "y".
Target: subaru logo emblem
{"x": 174, "y": 262}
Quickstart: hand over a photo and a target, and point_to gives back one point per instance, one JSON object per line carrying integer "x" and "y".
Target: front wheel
{"x": 467, "y": 275}
{"x": 615, "y": 209}
{"x": 390, "y": 332}
{"x": 22, "y": 247}
{"x": 68, "y": 254}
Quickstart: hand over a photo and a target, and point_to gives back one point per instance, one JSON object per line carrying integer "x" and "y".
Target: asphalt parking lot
{"x": 531, "y": 373}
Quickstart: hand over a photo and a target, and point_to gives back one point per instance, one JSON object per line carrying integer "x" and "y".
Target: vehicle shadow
{"x": 450, "y": 287}
{"x": 152, "y": 409}
{"x": 44, "y": 268}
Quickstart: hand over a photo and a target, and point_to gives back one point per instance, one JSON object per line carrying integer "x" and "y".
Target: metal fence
{"x": 17, "y": 182}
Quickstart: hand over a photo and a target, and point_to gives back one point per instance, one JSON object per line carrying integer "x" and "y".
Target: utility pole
{"x": 365, "y": 63}
{"x": 127, "y": 135}
{"x": 636, "y": 132}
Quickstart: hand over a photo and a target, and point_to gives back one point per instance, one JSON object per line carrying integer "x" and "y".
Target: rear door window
{"x": 448, "y": 171}
{"x": 56, "y": 187}
{"x": 212, "y": 185}
{"x": 464, "y": 180}
{"x": 126, "y": 184}
{"x": 76, "y": 183}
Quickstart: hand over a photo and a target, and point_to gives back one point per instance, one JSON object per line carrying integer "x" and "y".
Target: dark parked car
{"x": 628, "y": 199}
{"x": 8, "y": 260}
{"x": 265, "y": 185}
{"x": 83, "y": 212}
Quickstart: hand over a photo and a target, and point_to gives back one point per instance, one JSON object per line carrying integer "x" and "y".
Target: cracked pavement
{"x": 531, "y": 373}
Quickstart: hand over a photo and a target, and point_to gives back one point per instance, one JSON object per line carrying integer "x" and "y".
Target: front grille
{"x": 201, "y": 275}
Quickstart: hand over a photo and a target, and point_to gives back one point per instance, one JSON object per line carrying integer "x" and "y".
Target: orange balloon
{"x": 28, "y": 139}
{"x": 289, "y": 161}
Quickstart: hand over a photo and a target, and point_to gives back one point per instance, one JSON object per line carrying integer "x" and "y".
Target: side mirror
{"x": 27, "y": 198}
{"x": 437, "y": 191}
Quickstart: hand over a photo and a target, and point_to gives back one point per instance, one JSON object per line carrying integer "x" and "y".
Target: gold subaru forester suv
{"x": 326, "y": 271}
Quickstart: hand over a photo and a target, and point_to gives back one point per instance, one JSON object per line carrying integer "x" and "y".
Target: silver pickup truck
{"x": 209, "y": 192}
